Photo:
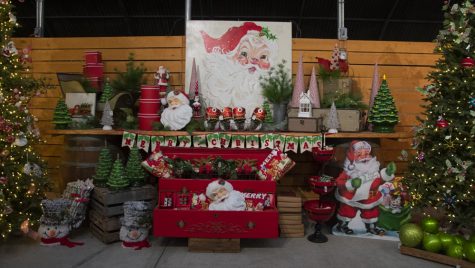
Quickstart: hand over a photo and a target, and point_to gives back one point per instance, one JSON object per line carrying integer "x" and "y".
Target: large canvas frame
{"x": 232, "y": 55}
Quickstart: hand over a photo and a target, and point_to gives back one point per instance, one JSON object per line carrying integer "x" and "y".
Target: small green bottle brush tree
{"x": 134, "y": 171}
{"x": 61, "y": 117}
{"x": 103, "y": 168}
{"x": 117, "y": 179}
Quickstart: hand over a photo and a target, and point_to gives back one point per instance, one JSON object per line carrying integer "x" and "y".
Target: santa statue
{"x": 178, "y": 113}
{"x": 224, "y": 197}
{"x": 358, "y": 188}
{"x": 161, "y": 76}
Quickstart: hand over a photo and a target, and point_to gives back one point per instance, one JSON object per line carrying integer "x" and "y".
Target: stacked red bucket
{"x": 149, "y": 106}
{"x": 94, "y": 69}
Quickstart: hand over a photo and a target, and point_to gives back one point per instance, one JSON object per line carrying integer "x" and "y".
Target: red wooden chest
{"x": 181, "y": 221}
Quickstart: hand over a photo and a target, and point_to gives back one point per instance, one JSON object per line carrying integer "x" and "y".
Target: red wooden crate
{"x": 215, "y": 224}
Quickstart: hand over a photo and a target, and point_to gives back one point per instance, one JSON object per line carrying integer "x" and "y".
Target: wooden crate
{"x": 107, "y": 208}
{"x": 435, "y": 257}
{"x": 217, "y": 245}
{"x": 342, "y": 85}
{"x": 110, "y": 203}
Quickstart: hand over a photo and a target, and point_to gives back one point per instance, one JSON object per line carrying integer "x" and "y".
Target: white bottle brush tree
{"x": 107, "y": 120}
{"x": 333, "y": 123}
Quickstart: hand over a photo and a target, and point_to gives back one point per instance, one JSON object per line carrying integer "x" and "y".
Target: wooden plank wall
{"x": 405, "y": 64}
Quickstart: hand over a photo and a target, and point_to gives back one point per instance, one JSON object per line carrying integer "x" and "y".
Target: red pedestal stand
{"x": 323, "y": 209}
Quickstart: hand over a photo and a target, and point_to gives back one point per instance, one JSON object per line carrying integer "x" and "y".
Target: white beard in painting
{"x": 230, "y": 84}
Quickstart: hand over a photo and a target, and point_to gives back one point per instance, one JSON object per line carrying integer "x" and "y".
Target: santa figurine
{"x": 257, "y": 118}
{"x": 161, "y": 76}
{"x": 358, "y": 188}
{"x": 226, "y": 119}
{"x": 239, "y": 116}
{"x": 196, "y": 105}
{"x": 212, "y": 118}
{"x": 224, "y": 197}
{"x": 178, "y": 113}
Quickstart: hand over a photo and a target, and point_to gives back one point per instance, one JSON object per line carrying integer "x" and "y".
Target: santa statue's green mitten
{"x": 356, "y": 183}
{"x": 391, "y": 169}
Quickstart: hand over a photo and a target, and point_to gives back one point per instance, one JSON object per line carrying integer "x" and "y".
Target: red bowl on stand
{"x": 321, "y": 187}
{"x": 320, "y": 211}
{"x": 323, "y": 155}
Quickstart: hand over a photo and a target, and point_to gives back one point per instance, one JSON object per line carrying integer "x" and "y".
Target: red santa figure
{"x": 161, "y": 76}
{"x": 233, "y": 64}
{"x": 358, "y": 188}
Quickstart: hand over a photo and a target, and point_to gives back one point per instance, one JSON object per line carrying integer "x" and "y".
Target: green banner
{"x": 279, "y": 141}
{"x": 170, "y": 141}
{"x": 267, "y": 141}
{"x": 238, "y": 141}
{"x": 224, "y": 140}
{"x": 213, "y": 140}
{"x": 156, "y": 141}
{"x": 252, "y": 141}
{"x": 291, "y": 144}
{"x": 143, "y": 142}
{"x": 306, "y": 143}
{"x": 128, "y": 139}
{"x": 199, "y": 141}
{"x": 184, "y": 141}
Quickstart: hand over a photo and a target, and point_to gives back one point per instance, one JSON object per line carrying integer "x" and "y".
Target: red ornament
{"x": 212, "y": 113}
{"x": 3, "y": 180}
{"x": 442, "y": 123}
{"x": 467, "y": 62}
{"x": 260, "y": 114}
{"x": 239, "y": 113}
{"x": 227, "y": 113}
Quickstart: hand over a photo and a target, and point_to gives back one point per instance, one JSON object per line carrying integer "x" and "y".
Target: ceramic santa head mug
{"x": 178, "y": 113}
{"x": 224, "y": 197}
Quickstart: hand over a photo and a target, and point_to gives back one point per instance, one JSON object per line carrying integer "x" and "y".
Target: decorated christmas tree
{"x": 22, "y": 173}
{"x": 383, "y": 115}
{"x": 134, "y": 171}
{"x": 268, "y": 119}
{"x": 107, "y": 120}
{"x": 106, "y": 92}
{"x": 442, "y": 177}
{"x": 103, "y": 168}
{"x": 61, "y": 116}
{"x": 117, "y": 179}
{"x": 333, "y": 124}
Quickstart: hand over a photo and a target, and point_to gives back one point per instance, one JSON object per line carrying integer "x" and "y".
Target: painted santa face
{"x": 252, "y": 51}
{"x": 220, "y": 194}
{"x": 363, "y": 155}
{"x": 174, "y": 102}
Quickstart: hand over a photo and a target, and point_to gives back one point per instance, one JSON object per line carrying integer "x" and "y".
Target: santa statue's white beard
{"x": 361, "y": 168}
{"x": 230, "y": 84}
{"x": 176, "y": 118}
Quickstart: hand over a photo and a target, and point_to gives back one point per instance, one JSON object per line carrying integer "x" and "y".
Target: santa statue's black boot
{"x": 343, "y": 227}
{"x": 371, "y": 228}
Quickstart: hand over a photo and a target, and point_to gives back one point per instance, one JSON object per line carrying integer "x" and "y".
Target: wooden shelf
{"x": 343, "y": 135}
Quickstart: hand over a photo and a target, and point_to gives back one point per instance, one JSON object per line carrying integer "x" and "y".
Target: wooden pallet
{"x": 435, "y": 257}
{"x": 217, "y": 245}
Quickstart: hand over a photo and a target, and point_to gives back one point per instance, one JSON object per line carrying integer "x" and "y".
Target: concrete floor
{"x": 283, "y": 252}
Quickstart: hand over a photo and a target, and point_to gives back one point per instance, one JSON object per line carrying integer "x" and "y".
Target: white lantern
{"x": 305, "y": 106}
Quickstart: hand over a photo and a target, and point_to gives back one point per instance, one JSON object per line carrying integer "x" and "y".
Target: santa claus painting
{"x": 233, "y": 56}
{"x": 358, "y": 188}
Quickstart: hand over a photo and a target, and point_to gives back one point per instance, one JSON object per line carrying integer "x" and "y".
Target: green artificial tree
{"x": 103, "y": 168}
{"x": 134, "y": 170}
{"x": 107, "y": 92}
{"x": 383, "y": 115}
{"x": 23, "y": 178}
{"x": 117, "y": 179}
{"x": 61, "y": 116}
{"x": 268, "y": 119}
{"x": 441, "y": 177}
